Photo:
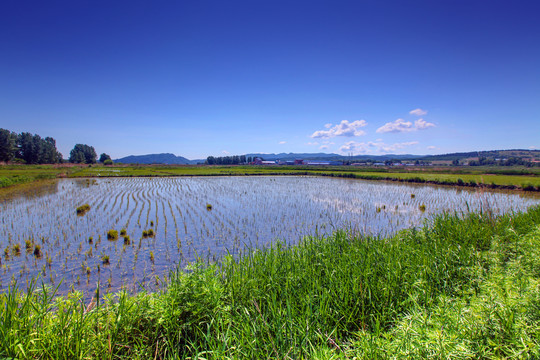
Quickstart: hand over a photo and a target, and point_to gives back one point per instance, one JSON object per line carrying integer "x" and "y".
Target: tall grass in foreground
{"x": 459, "y": 287}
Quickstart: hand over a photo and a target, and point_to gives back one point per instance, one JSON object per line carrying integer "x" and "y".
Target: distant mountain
{"x": 172, "y": 159}
{"x": 336, "y": 157}
{"x": 491, "y": 154}
{"x": 167, "y": 158}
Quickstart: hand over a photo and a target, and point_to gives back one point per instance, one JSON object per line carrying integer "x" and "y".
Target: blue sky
{"x": 200, "y": 78}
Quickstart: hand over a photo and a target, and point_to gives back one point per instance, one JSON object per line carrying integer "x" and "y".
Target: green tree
{"x": 8, "y": 145}
{"x": 29, "y": 147}
{"x": 83, "y": 154}
{"x": 104, "y": 157}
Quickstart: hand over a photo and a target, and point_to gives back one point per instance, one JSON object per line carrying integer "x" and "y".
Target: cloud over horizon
{"x": 401, "y": 125}
{"x": 345, "y": 128}
{"x": 372, "y": 146}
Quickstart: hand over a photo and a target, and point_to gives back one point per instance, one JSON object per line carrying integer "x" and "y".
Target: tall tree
{"x": 29, "y": 147}
{"x": 83, "y": 154}
{"x": 8, "y": 145}
{"x": 104, "y": 157}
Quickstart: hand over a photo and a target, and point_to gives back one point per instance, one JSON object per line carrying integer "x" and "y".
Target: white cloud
{"x": 328, "y": 126}
{"x": 418, "y": 112}
{"x": 401, "y": 125}
{"x": 323, "y": 147}
{"x": 422, "y": 124}
{"x": 362, "y": 147}
{"x": 431, "y": 147}
{"x": 312, "y": 143}
{"x": 345, "y": 128}
{"x": 532, "y": 147}
{"x": 282, "y": 142}
{"x": 225, "y": 152}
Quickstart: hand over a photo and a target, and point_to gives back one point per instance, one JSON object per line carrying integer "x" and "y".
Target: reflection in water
{"x": 29, "y": 191}
{"x": 244, "y": 212}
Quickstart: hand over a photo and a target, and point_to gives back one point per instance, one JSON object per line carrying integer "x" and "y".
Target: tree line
{"x": 30, "y": 148}
{"x": 33, "y": 149}
{"x": 228, "y": 160}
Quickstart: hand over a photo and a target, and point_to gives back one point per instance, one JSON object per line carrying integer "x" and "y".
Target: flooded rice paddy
{"x": 165, "y": 222}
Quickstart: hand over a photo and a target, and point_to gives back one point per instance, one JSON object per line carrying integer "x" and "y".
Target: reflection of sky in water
{"x": 246, "y": 212}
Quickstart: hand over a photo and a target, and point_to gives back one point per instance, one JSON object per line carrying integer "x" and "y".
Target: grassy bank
{"x": 459, "y": 287}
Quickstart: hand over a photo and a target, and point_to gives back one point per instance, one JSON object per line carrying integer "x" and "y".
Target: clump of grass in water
{"x": 127, "y": 240}
{"x": 123, "y": 232}
{"x": 112, "y": 235}
{"x": 148, "y": 233}
{"x": 90, "y": 240}
{"x": 83, "y": 209}
{"x": 105, "y": 259}
{"x": 208, "y": 207}
{"x": 17, "y": 249}
{"x": 422, "y": 207}
{"x": 37, "y": 251}
{"x": 29, "y": 245}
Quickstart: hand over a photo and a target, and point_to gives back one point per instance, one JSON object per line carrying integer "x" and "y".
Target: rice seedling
{"x": 17, "y": 249}
{"x": 112, "y": 235}
{"x": 37, "y": 250}
{"x": 83, "y": 209}
{"x": 105, "y": 259}
{"x": 29, "y": 245}
{"x": 127, "y": 240}
{"x": 208, "y": 207}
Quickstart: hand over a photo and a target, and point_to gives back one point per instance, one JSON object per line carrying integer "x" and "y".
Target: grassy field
{"x": 495, "y": 177}
{"x": 457, "y": 288}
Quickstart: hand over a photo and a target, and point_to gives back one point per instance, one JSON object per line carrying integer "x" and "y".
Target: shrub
{"x": 108, "y": 162}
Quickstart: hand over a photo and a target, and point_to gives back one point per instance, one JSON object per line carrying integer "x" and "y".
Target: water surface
{"x": 202, "y": 217}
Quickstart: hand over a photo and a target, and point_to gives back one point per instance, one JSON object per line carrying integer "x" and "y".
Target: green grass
{"x": 456, "y": 288}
